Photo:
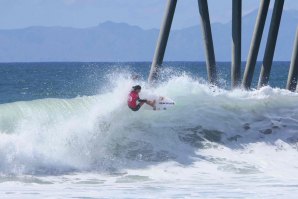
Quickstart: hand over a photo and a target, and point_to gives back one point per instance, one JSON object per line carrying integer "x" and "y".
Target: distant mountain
{"x": 111, "y": 41}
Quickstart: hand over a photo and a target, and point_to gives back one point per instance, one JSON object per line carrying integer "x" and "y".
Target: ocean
{"x": 66, "y": 132}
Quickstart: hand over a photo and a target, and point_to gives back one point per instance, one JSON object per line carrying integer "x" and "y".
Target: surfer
{"x": 133, "y": 97}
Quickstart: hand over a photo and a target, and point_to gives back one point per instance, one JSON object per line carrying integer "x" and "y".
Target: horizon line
{"x": 22, "y": 62}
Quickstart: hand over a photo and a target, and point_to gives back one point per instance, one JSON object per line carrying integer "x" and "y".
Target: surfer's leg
{"x": 137, "y": 107}
{"x": 151, "y": 103}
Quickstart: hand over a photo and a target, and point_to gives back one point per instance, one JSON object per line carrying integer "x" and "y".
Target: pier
{"x": 236, "y": 37}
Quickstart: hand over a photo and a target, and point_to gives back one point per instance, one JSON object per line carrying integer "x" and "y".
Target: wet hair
{"x": 137, "y": 87}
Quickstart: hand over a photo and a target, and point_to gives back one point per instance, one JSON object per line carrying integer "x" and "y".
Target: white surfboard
{"x": 161, "y": 103}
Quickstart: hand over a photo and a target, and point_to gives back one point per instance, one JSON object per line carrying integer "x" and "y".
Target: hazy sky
{"x": 86, "y": 13}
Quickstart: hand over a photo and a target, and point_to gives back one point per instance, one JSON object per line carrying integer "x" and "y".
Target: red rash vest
{"x": 133, "y": 97}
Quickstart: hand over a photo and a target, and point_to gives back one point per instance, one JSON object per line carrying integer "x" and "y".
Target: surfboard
{"x": 161, "y": 103}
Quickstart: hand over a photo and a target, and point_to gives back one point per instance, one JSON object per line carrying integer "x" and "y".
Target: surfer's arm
{"x": 142, "y": 100}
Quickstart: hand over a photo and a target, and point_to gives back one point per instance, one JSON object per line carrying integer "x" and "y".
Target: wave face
{"x": 236, "y": 131}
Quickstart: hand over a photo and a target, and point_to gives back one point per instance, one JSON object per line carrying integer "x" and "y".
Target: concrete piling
{"x": 208, "y": 41}
{"x": 271, "y": 43}
{"x": 236, "y": 44}
{"x": 255, "y": 44}
{"x": 162, "y": 39}
{"x": 293, "y": 72}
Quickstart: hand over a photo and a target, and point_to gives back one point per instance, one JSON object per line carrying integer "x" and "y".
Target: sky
{"x": 87, "y": 13}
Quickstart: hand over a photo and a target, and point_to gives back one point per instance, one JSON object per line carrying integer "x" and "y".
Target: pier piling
{"x": 162, "y": 39}
{"x": 293, "y": 72}
{"x": 255, "y": 44}
{"x": 236, "y": 44}
{"x": 208, "y": 41}
{"x": 271, "y": 43}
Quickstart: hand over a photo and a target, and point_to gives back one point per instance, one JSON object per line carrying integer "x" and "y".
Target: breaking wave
{"x": 237, "y": 131}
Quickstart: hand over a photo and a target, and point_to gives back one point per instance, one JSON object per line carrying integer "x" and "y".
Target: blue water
{"x": 29, "y": 81}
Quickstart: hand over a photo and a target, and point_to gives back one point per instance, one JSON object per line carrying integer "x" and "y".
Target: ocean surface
{"x": 66, "y": 132}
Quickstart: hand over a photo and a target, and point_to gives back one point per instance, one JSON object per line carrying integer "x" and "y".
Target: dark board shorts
{"x": 136, "y": 108}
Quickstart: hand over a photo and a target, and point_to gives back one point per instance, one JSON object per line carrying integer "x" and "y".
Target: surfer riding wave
{"x": 133, "y": 98}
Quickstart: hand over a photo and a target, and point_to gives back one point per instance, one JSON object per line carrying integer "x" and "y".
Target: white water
{"x": 213, "y": 144}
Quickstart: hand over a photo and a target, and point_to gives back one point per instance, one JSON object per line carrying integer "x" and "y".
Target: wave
{"x": 53, "y": 136}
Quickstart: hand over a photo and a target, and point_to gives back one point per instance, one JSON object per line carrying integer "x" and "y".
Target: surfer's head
{"x": 137, "y": 88}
